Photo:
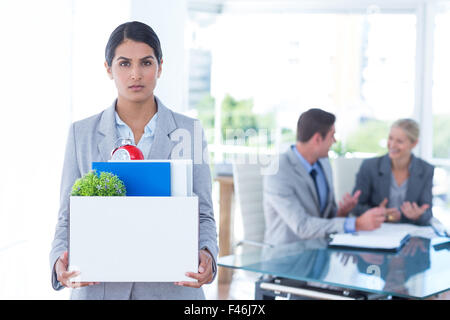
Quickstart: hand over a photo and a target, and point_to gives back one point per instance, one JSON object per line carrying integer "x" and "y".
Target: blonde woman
{"x": 399, "y": 181}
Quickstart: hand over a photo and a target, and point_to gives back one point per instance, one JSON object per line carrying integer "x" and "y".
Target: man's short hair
{"x": 312, "y": 121}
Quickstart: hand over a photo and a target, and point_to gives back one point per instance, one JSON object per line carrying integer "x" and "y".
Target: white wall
{"x": 168, "y": 19}
{"x": 34, "y": 104}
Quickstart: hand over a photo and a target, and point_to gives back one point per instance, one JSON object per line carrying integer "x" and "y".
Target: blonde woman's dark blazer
{"x": 374, "y": 181}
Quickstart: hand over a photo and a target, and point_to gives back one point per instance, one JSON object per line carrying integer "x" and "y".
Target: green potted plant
{"x": 104, "y": 185}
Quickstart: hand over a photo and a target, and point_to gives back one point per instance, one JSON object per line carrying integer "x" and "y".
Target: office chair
{"x": 344, "y": 175}
{"x": 248, "y": 186}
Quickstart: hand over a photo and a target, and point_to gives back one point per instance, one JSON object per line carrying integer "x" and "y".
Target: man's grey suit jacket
{"x": 93, "y": 139}
{"x": 291, "y": 205}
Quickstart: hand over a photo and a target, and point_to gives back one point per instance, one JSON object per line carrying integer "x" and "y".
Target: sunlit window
{"x": 440, "y": 100}
{"x": 265, "y": 69}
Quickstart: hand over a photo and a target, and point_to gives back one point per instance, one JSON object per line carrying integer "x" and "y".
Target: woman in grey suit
{"x": 134, "y": 61}
{"x": 398, "y": 180}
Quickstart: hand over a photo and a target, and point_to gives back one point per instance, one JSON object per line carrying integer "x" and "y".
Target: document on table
{"x": 413, "y": 230}
{"x": 390, "y": 236}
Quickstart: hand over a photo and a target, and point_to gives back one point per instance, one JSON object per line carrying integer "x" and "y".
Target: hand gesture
{"x": 64, "y": 276}
{"x": 392, "y": 214}
{"x": 205, "y": 272}
{"x": 371, "y": 219}
{"x": 412, "y": 210}
{"x": 347, "y": 203}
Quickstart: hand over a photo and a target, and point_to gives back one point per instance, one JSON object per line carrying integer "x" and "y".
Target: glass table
{"x": 419, "y": 270}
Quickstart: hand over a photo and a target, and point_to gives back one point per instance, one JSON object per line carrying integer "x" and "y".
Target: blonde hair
{"x": 410, "y": 126}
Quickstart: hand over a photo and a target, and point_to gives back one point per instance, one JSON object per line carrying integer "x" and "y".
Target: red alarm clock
{"x": 127, "y": 151}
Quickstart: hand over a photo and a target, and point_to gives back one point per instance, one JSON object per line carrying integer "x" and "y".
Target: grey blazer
{"x": 93, "y": 139}
{"x": 291, "y": 205}
{"x": 374, "y": 180}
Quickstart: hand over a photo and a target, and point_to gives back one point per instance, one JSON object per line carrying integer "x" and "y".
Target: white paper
{"x": 134, "y": 239}
{"x": 181, "y": 178}
{"x": 388, "y": 236}
{"x": 411, "y": 229}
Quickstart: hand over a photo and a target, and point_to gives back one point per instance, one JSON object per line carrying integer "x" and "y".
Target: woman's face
{"x": 135, "y": 71}
{"x": 399, "y": 145}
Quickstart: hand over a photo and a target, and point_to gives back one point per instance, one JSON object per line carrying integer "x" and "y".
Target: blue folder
{"x": 140, "y": 178}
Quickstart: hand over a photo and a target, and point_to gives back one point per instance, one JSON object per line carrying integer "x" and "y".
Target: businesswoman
{"x": 398, "y": 180}
{"x": 134, "y": 61}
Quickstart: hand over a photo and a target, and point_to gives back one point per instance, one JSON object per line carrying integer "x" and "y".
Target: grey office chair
{"x": 344, "y": 175}
{"x": 248, "y": 186}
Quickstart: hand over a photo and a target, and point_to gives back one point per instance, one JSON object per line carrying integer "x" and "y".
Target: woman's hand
{"x": 392, "y": 214}
{"x": 205, "y": 272}
{"x": 412, "y": 210}
{"x": 64, "y": 276}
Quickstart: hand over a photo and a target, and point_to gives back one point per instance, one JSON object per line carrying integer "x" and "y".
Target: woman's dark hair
{"x": 312, "y": 121}
{"x": 136, "y": 31}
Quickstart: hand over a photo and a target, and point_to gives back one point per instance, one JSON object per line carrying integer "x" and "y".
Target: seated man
{"x": 299, "y": 199}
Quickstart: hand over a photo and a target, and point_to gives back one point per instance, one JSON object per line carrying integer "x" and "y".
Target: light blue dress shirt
{"x": 350, "y": 222}
{"x": 146, "y": 141}
{"x": 321, "y": 180}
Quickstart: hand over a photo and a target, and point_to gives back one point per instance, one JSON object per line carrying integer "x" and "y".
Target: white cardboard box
{"x": 133, "y": 239}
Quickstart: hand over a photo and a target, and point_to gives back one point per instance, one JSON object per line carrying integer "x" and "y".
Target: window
{"x": 440, "y": 102}
{"x": 441, "y": 78}
{"x": 266, "y": 68}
